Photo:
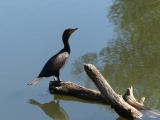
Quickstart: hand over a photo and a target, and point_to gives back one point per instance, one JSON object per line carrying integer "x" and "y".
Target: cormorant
{"x": 55, "y": 63}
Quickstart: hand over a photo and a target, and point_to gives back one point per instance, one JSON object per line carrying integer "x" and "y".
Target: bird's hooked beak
{"x": 72, "y": 30}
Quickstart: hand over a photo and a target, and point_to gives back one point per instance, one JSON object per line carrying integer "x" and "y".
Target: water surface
{"x": 121, "y": 38}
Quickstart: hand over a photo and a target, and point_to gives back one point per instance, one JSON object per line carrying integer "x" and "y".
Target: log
{"x": 71, "y": 89}
{"x": 74, "y": 90}
{"x": 125, "y": 106}
{"x": 116, "y": 101}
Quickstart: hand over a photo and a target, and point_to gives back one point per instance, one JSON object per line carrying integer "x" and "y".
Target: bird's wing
{"x": 60, "y": 60}
{"x": 54, "y": 64}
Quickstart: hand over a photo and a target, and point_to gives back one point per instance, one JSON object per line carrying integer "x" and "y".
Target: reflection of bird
{"x": 55, "y": 63}
{"x": 52, "y": 109}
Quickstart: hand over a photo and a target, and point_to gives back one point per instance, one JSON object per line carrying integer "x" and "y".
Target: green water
{"x": 121, "y": 38}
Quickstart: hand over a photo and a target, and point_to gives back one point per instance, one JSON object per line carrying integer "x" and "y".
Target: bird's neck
{"x": 66, "y": 44}
{"x": 67, "y": 47}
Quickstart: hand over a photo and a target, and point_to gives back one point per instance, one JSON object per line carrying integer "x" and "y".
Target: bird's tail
{"x": 35, "y": 81}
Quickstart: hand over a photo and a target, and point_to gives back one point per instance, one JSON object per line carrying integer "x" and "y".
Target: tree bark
{"x": 71, "y": 89}
{"x": 116, "y": 101}
{"x": 125, "y": 106}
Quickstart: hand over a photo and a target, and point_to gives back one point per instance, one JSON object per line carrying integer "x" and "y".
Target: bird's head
{"x": 67, "y": 33}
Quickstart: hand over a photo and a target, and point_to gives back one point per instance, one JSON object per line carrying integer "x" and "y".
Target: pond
{"x": 121, "y": 38}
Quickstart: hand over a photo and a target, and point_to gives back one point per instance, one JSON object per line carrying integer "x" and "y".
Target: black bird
{"x": 55, "y": 63}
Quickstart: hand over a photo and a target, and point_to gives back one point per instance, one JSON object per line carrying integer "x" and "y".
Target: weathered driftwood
{"x": 122, "y": 105}
{"x": 130, "y": 99}
{"x": 117, "y": 102}
{"x": 74, "y": 90}
{"x": 71, "y": 89}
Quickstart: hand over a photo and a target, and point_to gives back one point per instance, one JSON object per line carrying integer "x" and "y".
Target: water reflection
{"x": 136, "y": 47}
{"x": 52, "y": 109}
{"x": 78, "y": 69}
{"x": 132, "y": 56}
